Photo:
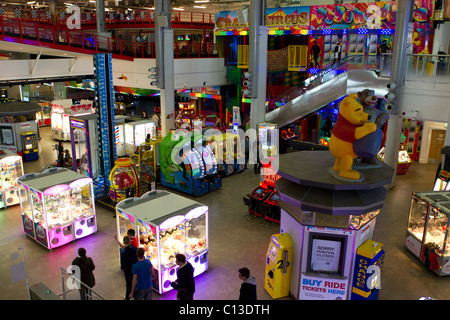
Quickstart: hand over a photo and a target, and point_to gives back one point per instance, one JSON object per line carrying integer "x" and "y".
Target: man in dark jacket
{"x": 127, "y": 259}
{"x": 86, "y": 275}
{"x": 185, "y": 278}
{"x": 248, "y": 286}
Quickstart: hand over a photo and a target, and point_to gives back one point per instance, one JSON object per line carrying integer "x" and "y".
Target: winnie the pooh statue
{"x": 352, "y": 124}
{"x": 368, "y": 147}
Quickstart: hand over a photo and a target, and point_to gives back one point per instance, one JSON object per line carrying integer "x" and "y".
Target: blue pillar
{"x": 105, "y": 109}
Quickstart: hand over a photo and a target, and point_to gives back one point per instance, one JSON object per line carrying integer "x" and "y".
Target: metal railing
{"x": 62, "y": 38}
{"x": 70, "y": 285}
{"x": 124, "y": 18}
{"x": 426, "y": 68}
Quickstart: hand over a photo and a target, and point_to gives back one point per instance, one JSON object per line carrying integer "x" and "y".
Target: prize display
{"x": 268, "y": 138}
{"x": 11, "y": 168}
{"x": 166, "y": 224}
{"x": 60, "y": 116}
{"x": 427, "y": 231}
{"x": 124, "y": 180}
{"x": 136, "y": 132}
{"x": 57, "y": 206}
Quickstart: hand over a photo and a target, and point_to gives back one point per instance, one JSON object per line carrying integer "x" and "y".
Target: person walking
{"x": 315, "y": 50}
{"x": 248, "y": 286}
{"x": 86, "y": 275}
{"x": 143, "y": 272}
{"x": 185, "y": 278}
{"x": 128, "y": 258}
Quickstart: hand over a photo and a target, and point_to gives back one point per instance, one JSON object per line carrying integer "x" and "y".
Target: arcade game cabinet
{"x": 29, "y": 146}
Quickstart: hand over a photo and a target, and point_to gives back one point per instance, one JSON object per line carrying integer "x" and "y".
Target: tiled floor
{"x": 235, "y": 240}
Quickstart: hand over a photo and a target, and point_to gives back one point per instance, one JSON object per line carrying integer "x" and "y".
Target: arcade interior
{"x": 274, "y": 224}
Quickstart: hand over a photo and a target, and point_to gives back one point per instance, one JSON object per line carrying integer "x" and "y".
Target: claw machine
{"x": 57, "y": 206}
{"x": 11, "y": 168}
{"x": 427, "y": 231}
{"x": 166, "y": 224}
{"x": 85, "y": 144}
{"x": 136, "y": 133}
{"x": 268, "y": 139}
{"x": 60, "y": 116}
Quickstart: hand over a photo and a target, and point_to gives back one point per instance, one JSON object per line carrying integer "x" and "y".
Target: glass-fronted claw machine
{"x": 57, "y": 206}
{"x": 11, "y": 168}
{"x": 268, "y": 139}
{"x": 166, "y": 224}
{"x": 136, "y": 132}
{"x": 427, "y": 231}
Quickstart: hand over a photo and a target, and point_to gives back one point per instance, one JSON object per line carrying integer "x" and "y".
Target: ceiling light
{"x": 179, "y": 9}
{"x": 201, "y": 1}
{"x": 200, "y": 7}
{"x": 31, "y": 2}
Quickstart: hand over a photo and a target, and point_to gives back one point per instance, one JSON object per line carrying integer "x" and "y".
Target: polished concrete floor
{"x": 236, "y": 239}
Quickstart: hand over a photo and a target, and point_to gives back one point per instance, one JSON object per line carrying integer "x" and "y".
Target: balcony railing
{"x": 62, "y": 38}
{"x": 89, "y": 20}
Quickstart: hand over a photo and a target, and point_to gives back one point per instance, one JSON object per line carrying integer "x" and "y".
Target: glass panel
{"x": 417, "y": 217}
{"x": 171, "y": 240}
{"x": 196, "y": 233}
{"x": 81, "y": 202}
{"x": 125, "y": 222}
{"x": 436, "y": 228}
{"x": 27, "y": 214}
{"x": 57, "y": 206}
{"x": 147, "y": 239}
{"x": 356, "y": 222}
{"x": 38, "y": 208}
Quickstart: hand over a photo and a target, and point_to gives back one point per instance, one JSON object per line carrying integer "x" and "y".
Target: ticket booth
{"x": 278, "y": 265}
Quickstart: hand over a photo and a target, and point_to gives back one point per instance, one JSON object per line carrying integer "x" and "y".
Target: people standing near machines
{"x": 128, "y": 258}
{"x": 185, "y": 278}
{"x": 248, "y": 286}
{"x": 86, "y": 276}
{"x": 143, "y": 273}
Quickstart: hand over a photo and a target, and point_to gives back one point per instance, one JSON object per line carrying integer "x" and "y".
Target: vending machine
{"x": 278, "y": 265}
{"x": 30, "y": 149}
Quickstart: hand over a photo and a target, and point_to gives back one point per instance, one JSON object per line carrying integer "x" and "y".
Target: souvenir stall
{"x": 11, "y": 168}
{"x": 57, "y": 206}
{"x": 427, "y": 231}
{"x": 166, "y": 224}
{"x": 60, "y": 116}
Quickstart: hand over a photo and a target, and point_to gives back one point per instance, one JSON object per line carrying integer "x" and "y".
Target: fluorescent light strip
{"x": 200, "y": 7}
{"x": 201, "y": 1}
{"x": 179, "y": 9}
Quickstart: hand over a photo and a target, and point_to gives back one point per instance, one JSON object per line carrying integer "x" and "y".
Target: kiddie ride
{"x": 331, "y": 219}
{"x": 188, "y": 164}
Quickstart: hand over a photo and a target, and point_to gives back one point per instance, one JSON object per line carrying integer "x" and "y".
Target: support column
{"x": 258, "y": 35}
{"x": 398, "y": 72}
{"x": 164, "y": 64}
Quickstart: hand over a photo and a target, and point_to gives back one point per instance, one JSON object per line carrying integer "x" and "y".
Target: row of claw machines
{"x": 166, "y": 224}
{"x": 57, "y": 206}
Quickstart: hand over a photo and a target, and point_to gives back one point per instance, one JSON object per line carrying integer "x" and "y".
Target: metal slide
{"x": 324, "y": 88}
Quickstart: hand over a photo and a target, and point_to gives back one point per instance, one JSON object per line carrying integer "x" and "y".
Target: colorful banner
{"x": 372, "y": 15}
{"x": 288, "y": 18}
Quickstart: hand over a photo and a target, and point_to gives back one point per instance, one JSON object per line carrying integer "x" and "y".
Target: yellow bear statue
{"x": 352, "y": 124}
